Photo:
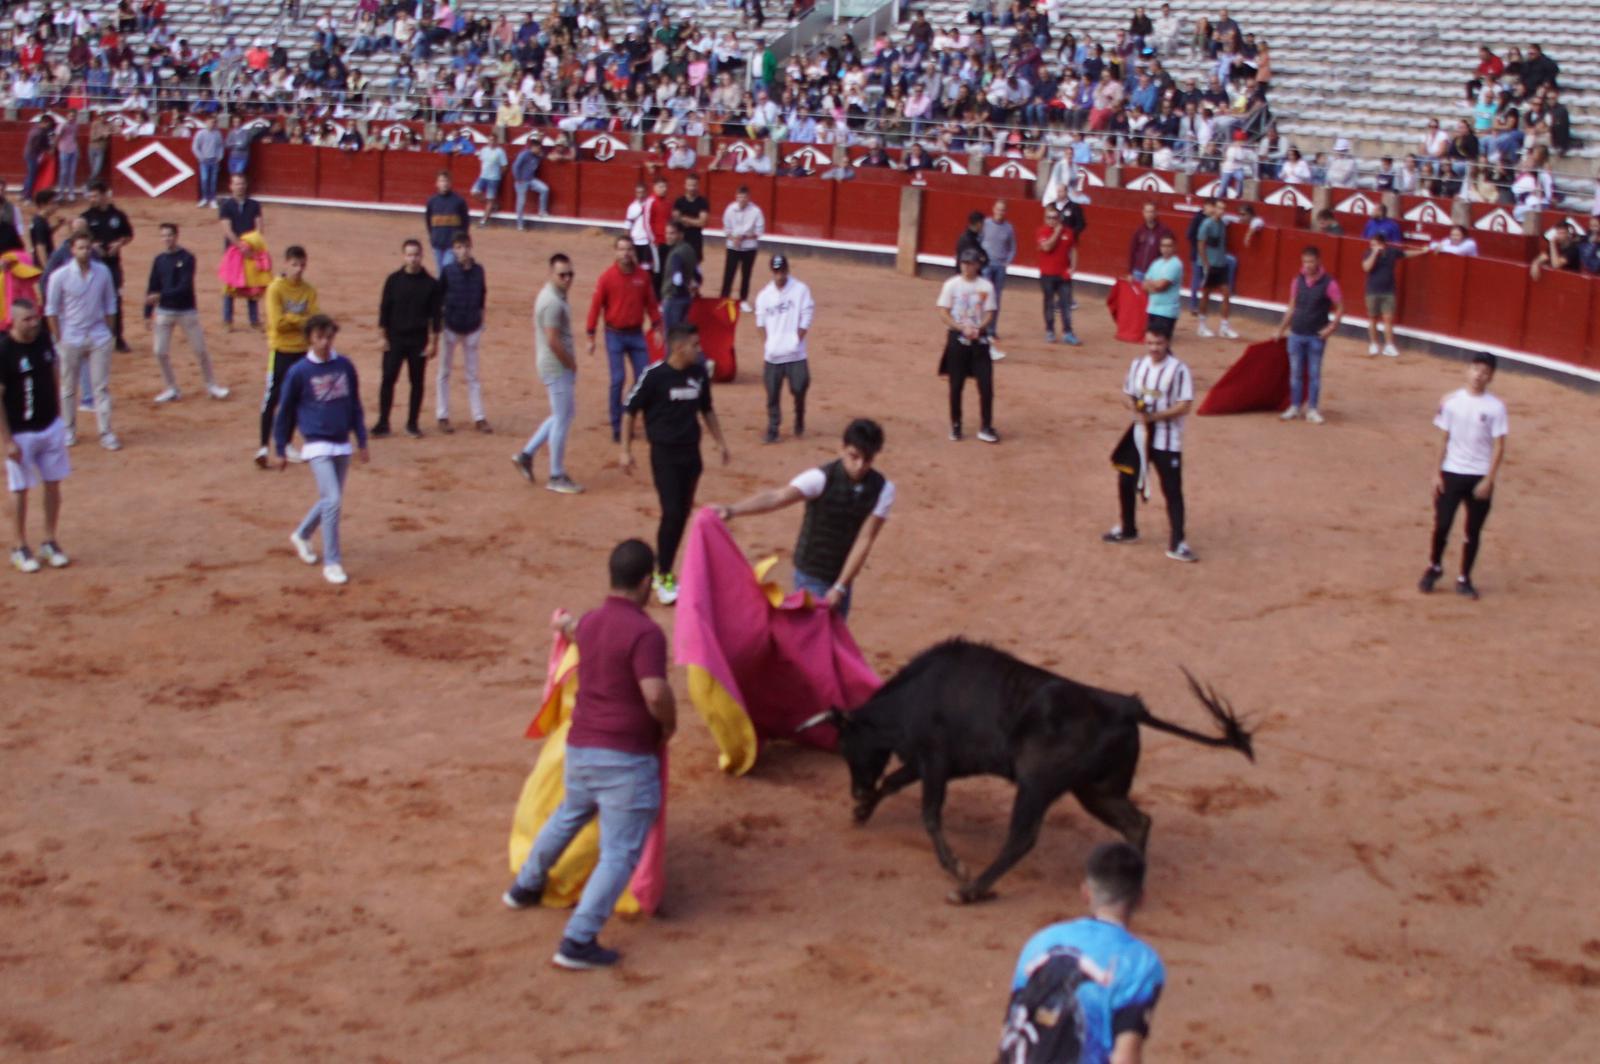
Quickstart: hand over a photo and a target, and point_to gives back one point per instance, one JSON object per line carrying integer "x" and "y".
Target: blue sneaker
{"x": 1072, "y": 339}
{"x": 1050, "y": 336}
{"x": 584, "y": 956}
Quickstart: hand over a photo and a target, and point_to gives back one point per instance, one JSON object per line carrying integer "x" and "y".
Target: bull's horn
{"x": 812, "y": 722}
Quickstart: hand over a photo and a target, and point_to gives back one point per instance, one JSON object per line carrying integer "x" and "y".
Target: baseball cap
{"x": 970, "y": 255}
{"x": 779, "y": 262}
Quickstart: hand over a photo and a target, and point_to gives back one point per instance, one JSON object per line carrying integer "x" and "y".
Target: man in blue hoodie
{"x": 322, "y": 398}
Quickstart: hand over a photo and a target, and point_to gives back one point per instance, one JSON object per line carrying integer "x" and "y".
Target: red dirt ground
{"x": 246, "y": 816}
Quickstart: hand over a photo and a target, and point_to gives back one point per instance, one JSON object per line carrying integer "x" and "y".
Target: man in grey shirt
{"x": 1000, "y": 244}
{"x": 552, "y": 344}
{"x": 81, "y": 306}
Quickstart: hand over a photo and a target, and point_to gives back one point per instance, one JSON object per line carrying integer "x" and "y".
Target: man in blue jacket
{"x": 446, "y": 215}
{"x": 463, "y": 294}
{"x": 322, "y": 398}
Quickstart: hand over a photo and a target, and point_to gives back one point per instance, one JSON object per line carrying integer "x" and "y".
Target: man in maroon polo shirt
{"x": 1145, "y": 247}
{"x": 624, "y": 716}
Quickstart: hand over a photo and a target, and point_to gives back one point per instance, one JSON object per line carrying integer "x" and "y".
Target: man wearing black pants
{"x": 408, "y": 317}
{"x": 966, "y": 306}
{"x": 111, "y": 231}
{"x": 1159, "y": 390}
{"x": 673, "y": 395}
{"x": 1475, "y": 426}
{"x": 743, "y": 225}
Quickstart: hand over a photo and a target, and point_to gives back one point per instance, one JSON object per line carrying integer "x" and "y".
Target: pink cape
{"x": 1258, "y": 381}
{"x": 1127, "y": 302}
{"x": 776, "y": 664}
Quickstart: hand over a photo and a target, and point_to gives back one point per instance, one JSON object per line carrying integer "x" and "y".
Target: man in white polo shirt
{"x": 1474, "y": 424}
{"x": 784, "y": 310}
{"x": 1159, "y": 390}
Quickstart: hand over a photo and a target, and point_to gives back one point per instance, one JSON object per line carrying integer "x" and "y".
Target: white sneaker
{"x": 334, "y": 574}
{"x": 1314, "y": 417}
{"x": 72, "y": 437}
{"x": 292, "y": 453}
{"x": 746, "y": 307}
{"x": 167, "y": 396}
{"x": 1391, "y": 350}
{"x": 110, "y": 442}
{"x": 302, "y": 547}
{"x": 217, "y": 391}
{"x": 1227, "y": 330}
{"x": 1204, "y": 331}
{"x": 1372, "y": 349}
{"x": 1289, "y": 414}
{"x": 263, "y": 458}
{"x": 995, "y": 354}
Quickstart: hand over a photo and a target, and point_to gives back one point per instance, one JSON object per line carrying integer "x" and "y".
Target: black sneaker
{"x": 955, "y": 433}
{"x": 1430, "y": 576}
{"x": 379, "y": 432}
{"x": 517, "y": 897}
{"x": 524, "y": 463}
{"x": 770, "y": 437}
{"x": 414, "y": 432}
{"x": 584, "y": 956}
{"x": 1117, "y": 535}
{"x": 444, "y": 426}
{"x": 1464, "y": 587}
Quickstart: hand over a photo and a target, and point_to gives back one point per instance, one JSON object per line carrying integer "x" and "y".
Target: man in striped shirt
{"x": 1159, "y": 390}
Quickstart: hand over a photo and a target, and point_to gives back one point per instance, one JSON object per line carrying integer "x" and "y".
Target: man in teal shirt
{"x": 1212, "y": 244}
{"x": 1163, "y": 282}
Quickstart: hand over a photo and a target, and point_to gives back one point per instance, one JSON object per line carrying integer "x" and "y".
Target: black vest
{"x": 833, "y": 519}
{"x": 1311, "y": 306}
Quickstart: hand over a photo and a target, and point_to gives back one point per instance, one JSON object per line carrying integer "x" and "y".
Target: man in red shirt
{"x": 1058, "y": 257}
{"x": 659, "y": 209}
{"x": 625, "y": 296}
{"x": 624, "y": 716}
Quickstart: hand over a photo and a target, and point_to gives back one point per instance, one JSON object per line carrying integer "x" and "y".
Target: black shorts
{"x": 1160, "y": 325}
{"x": 1216, "y": 277}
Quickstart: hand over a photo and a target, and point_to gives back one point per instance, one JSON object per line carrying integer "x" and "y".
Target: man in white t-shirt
{"x": 966, "y": 306}
{"x": 784, "y": 310}
{"x": 847, "y": 502}
{"x": 1159, "y": 389}
{"x": 637, "y": 220}
{"x": 492, "y": 164}
{"x": 1474, "y": 424}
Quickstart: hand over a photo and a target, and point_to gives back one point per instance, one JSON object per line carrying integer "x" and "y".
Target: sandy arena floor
{"x": 246, "y": 816}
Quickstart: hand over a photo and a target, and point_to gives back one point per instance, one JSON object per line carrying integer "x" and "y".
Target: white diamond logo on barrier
{"x": 181, "y": 171}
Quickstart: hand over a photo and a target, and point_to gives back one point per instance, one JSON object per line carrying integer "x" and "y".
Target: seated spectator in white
{"x": 1457, "y": 243}
{"x": 1238, "y": 166}
{"x": 1408, "y": 177}
{"x": 1343, "y": 168}
{"x": 1432, "y": 146}
{"x": 681, "y": 157}
{"x": 1295, "y": 169}
{"x": 756, "y": 163}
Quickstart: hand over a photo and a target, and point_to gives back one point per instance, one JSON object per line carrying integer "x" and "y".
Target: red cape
{"x": 1258, "y": 381}
{"x": 1127, "y": 302}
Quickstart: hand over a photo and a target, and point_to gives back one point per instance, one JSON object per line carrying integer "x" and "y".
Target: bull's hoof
{"x": 861, "y": 814}
{"x": 966, "y": 894}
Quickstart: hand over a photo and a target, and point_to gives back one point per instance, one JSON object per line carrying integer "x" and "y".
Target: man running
{"x": 32, "y": 434}
{"x": 673, "y": 396}
{"x": 847, "y": 502}
{"x": 446, "y": 216}
{"x": 81, "y": 306}
{"x": 463, "y": 297}
{"x": 291, "y": 303}
{"x": 1159, "y": 389}
{"x": 1475, "y": 426}
{"x": 169, "y": 296}
{"x": 623, "y": 296}
{"x": 409, "y": 318}
{"x": 238, "y": 215}
{"x": 557, "y": 363}
{"x": 623, "y": 719}
{"x": 784, "y": 311}
{"x": 966, "y": 303}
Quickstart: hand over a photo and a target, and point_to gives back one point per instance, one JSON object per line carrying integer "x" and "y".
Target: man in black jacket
{"x": 971, "y": 239}
{"x": 169, "y": 297}
{"x": 463, "y": 294}
{"x": 111, "y": 231}
{"x": 408, "y": 316}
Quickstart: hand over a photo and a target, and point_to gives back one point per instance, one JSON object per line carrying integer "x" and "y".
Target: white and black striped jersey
{"x": 1161, "y": 386}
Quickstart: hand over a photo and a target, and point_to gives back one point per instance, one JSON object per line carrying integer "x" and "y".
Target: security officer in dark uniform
{"x": 111, "y": 231}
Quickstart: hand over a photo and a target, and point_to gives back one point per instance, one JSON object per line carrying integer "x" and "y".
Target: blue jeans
{"x": 996, "y": 276}
{"x": 67, "y": 173}
{"x": 539, "y": 187}
{"x": 444, "y": 257}
{"x": 819, "y": 590}
{"x": 208, "y": 179}
{"x": 32, "y": 164}
{"x": 674, "y": 311}
{"x": 252, "y": 305}
{"x": 563, "y": 389}
{"x": 625, "y": 791}
{"x": 329, "y": 472}
{"x": 619, "y": 344}
{"x": 1305, "y": 369}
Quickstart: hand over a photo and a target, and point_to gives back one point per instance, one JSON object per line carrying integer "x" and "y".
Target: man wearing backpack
{"x": 1084, "y": 990}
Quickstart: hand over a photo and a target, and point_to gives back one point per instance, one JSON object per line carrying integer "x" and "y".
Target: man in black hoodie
{"x": 408, "y": 315}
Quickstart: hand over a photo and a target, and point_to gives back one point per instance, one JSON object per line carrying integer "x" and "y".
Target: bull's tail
{"x": 1234, "y": 734}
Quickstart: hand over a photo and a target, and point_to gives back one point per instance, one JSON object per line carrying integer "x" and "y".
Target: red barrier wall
{"x": 284, "y": 170}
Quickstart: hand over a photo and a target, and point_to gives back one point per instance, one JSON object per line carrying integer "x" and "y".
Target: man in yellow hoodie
{"x": 290, "y": 302}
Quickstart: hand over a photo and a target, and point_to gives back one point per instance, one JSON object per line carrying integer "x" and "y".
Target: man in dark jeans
{"x": 409, "y": 318}
{"x": 673, "y": 396}
{"x": 680, "y": 276}
{"x": 111, "y": 231}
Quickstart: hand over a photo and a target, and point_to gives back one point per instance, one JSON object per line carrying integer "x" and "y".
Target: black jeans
{"x": 1057, "y": 295}
{"x": 1457, "y": 490}
{"x": 115, "y": 266}
{"x": 970, "y": 360}
{"x": 676, "y": 471}
{"x": 281, "y": 361}
{"x": 413, "y": 358}
{"x": 1168, "y": 467}
{"x": 744, "y": 262}
{"x": 798, "y": 374}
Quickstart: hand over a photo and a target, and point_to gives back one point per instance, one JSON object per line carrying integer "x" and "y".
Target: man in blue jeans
{"x": 624, "y": 716}
{"x": 625, "y": 296}
{"x": 1315, "y": 307}
{"x": 558, "y": 368}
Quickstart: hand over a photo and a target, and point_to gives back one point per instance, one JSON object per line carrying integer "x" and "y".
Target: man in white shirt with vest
{"x": 1475, "y": 426}
{"x": 1159, "y": 390}
{"x": 847, "y": 502}
{"x": 784, "y": 310}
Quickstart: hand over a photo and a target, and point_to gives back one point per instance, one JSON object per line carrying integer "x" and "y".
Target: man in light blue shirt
{"x": 491, "y": 167}
{"x": 1084, "y": 990}
{"x": 81, "y": 306}
{"x": 1163, "y": 283}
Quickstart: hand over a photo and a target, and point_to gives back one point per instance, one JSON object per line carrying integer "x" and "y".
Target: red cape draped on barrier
{"x": 1127, "y": 302}
{"x": 1258, "y": 381}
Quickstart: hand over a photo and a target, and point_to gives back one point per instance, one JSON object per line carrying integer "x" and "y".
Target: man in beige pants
{"x": 81, "y": 306}
{"x": 170, "y": 297}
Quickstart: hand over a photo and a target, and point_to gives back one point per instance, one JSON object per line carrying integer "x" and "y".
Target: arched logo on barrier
{"x": 604, "y": 146}
{"x": 396, "y": 136}
{"x": 1151, "y": 183}
{"x": 1013, "y": 170}
{"x": 1209, "y": 190}
{"x": 1499, "y": 220}
{"x": 1428, "y": 213}
{"x": 1288, "y": 196}
{"x": 810, "y": 158}
{"x": 180, "y": 170}
{"x": 1357, "y": 204}
{"x": 1086, "y": 178}
{"x": 946, "y": 164}
{"x": 742, "y": 151}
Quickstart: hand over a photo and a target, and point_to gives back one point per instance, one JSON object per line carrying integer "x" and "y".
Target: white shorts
{"x": 44, "y": 457}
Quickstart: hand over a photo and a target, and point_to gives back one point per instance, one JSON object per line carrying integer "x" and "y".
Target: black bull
{"x": 965, "y": 709}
